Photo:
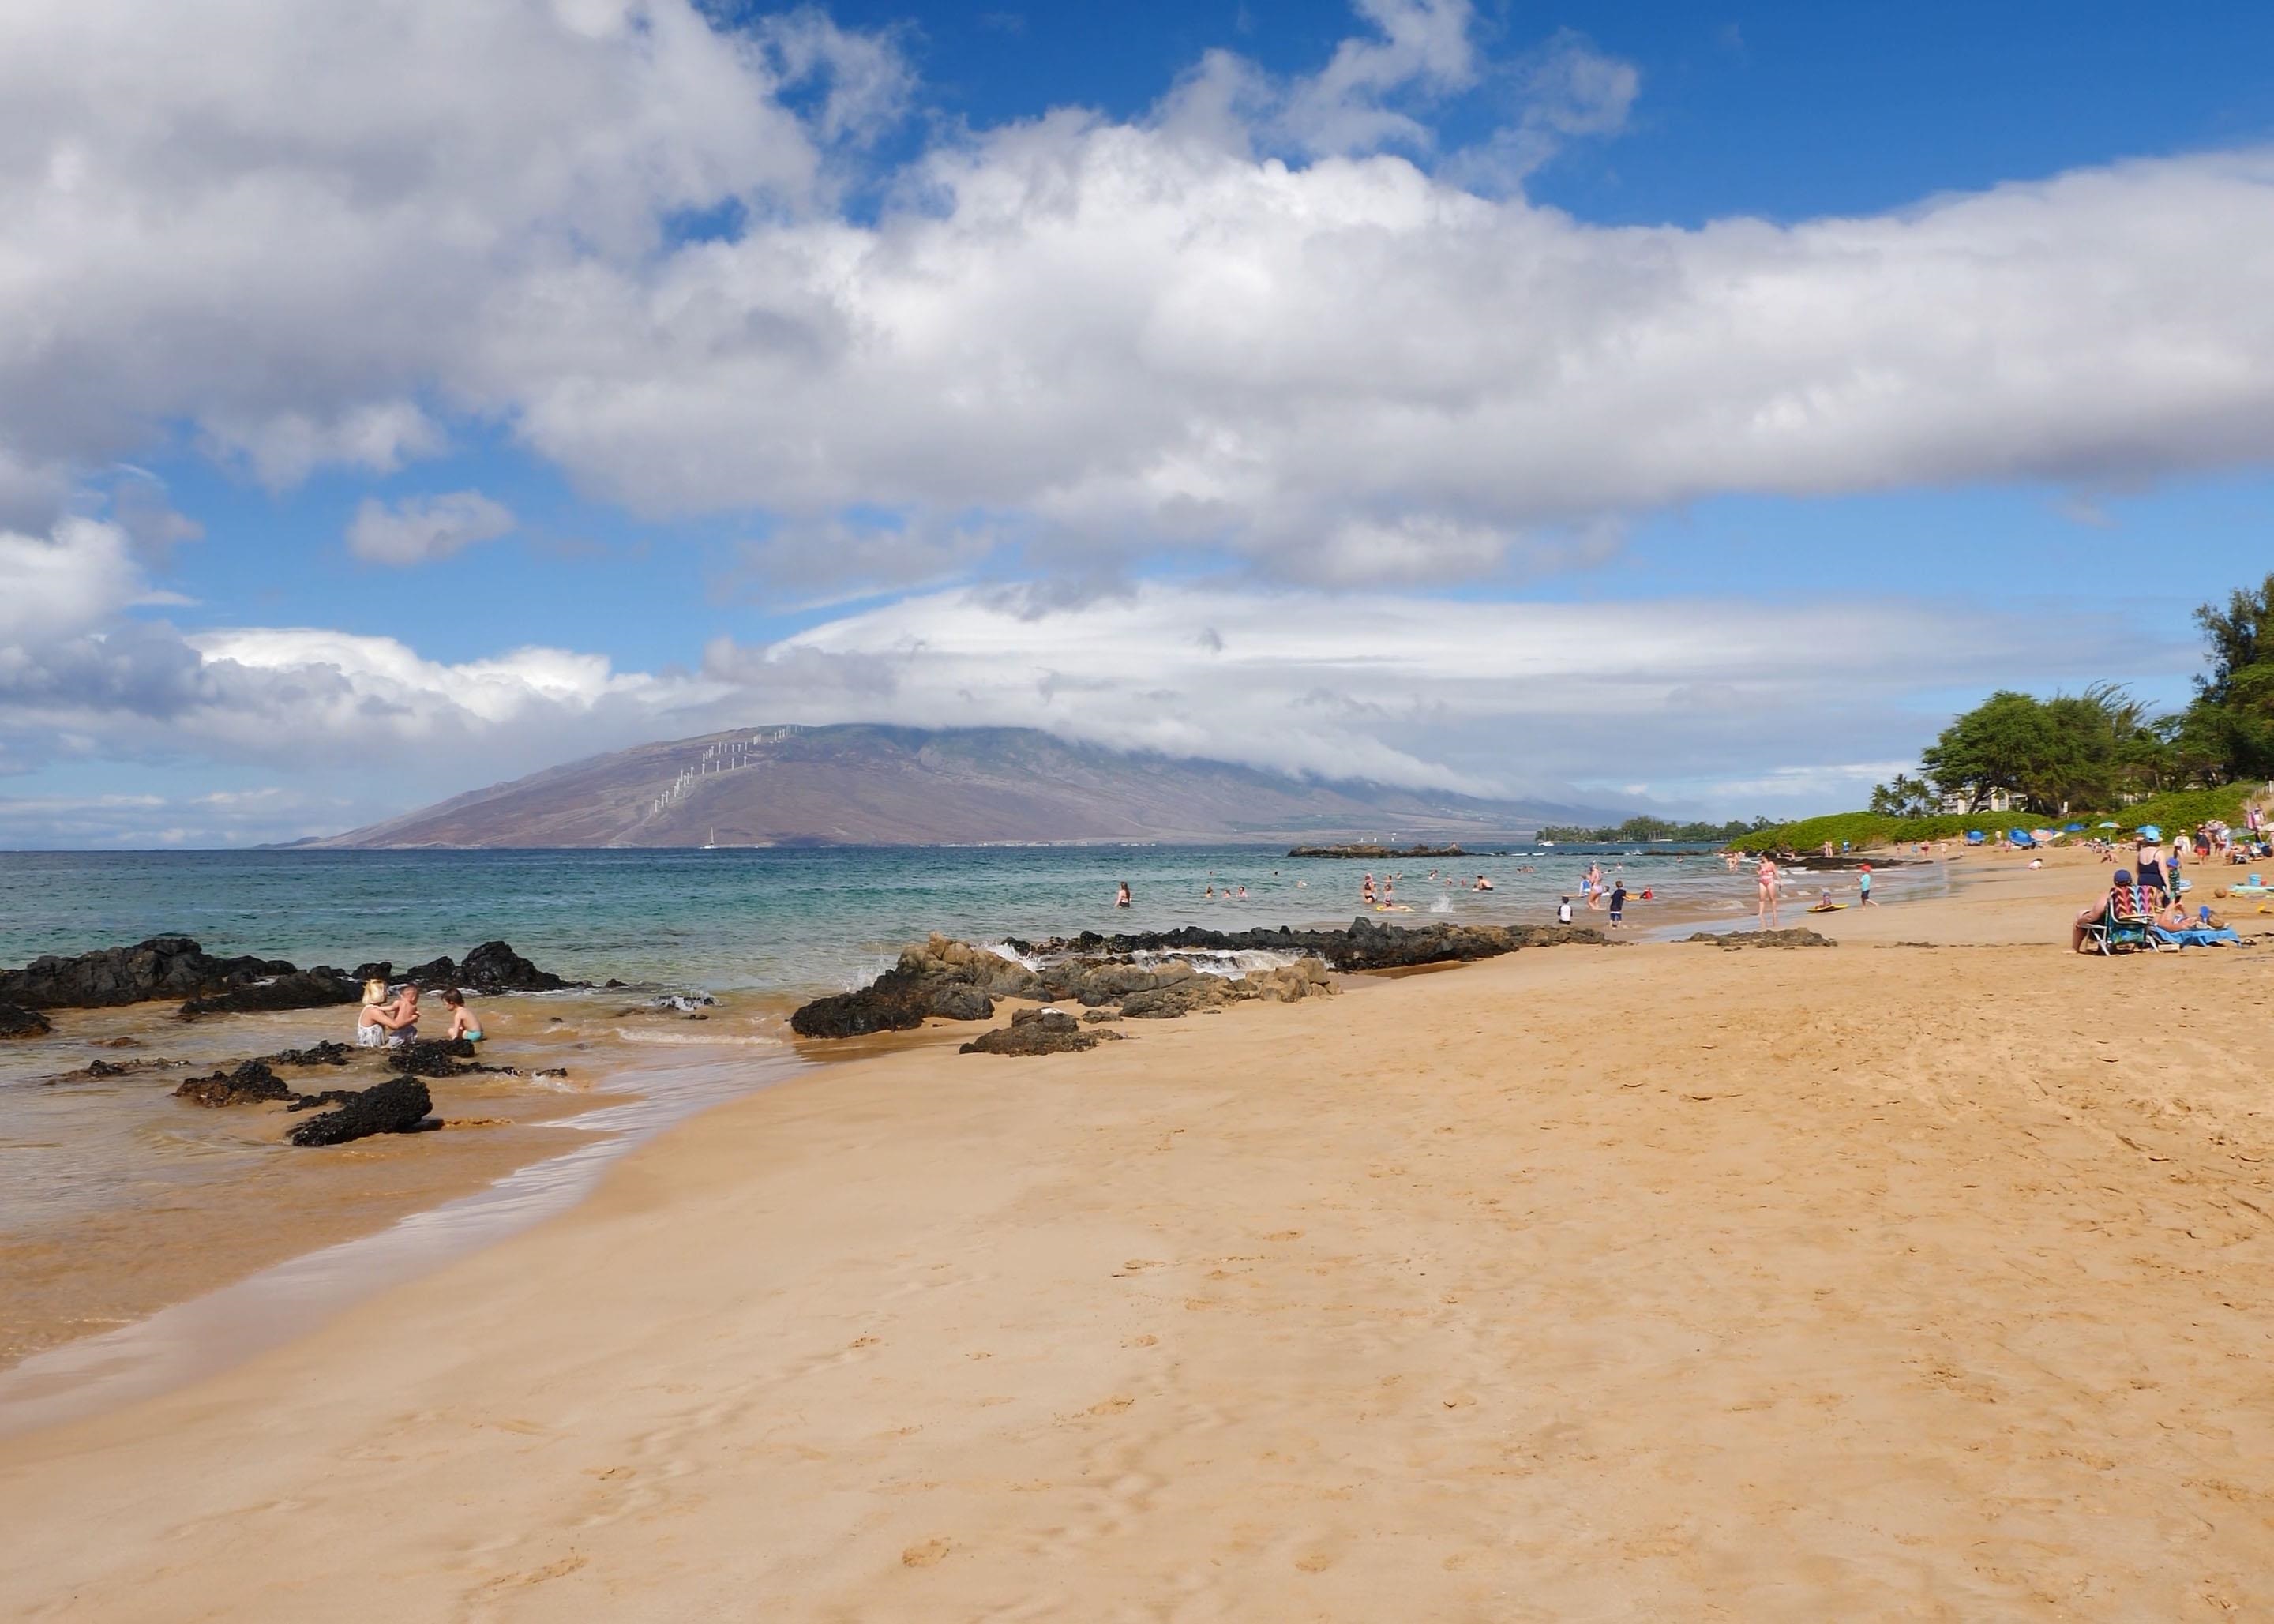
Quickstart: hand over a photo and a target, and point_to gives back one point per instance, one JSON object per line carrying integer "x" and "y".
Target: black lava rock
{"x": 396, "y": 1106}
{"x": 251, "y": 1083}
{"x": 18, "y": 1022}
{"x": 434, "y": 1058}
{"x": 301, "y": 989}
{"x": 492, "y": 968}
{"x": 162, "y": 968}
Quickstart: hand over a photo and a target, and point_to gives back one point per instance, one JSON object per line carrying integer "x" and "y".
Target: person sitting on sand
{"x": 1563, "y": 911}
{"x": 2121, "y": 900}
{"x": 463, "y": 1023}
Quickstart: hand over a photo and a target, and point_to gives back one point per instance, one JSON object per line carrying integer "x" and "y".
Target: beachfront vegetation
{"x": 1858, "y": 830}
{"x": 2228, "y": 732}
{"x": 2096, "y": 748}
{"x": 1637, "y": 828}
{"x": 2093, "y": 758}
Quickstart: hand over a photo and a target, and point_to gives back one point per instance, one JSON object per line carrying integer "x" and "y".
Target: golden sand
{"x": 1657, "y": 1281}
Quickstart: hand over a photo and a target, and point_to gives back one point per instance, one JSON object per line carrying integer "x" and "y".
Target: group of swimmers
{"x": 389, "y": 1022}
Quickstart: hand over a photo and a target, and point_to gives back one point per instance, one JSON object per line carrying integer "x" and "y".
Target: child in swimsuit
{"x": 462, "y": 1023}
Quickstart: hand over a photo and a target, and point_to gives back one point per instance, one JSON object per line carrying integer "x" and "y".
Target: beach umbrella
{"x": 2150, "y": 831}
{"x": 2112, "y": 825}
{"x": 2071, "y": 829}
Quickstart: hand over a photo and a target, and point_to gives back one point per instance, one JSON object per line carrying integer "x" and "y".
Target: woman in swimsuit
{"x": 371, "y": 1032}
{"x": 1766, "y": 911}
{"x": 1121, "y": 897}
{"x": 462, "y": 1023}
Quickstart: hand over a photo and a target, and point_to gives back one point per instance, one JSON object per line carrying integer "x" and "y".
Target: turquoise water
{"x": 785, "y": 920}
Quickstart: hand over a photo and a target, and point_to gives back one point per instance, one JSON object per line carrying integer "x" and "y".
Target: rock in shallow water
{"x": 301, "y": 989}
{"x": 251, "y": 1083}
{"x": 161, "y": 967}
{"x": 17, "y": 1022}
{"x": 396, "y": 1106}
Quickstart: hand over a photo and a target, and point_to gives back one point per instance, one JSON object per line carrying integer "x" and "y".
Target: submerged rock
{"x": 326, "y": 1053}
{"x": 1795, "y": 937}
{"x": 161, "y": 967}
{"x": 251, "y": 1083}
{"x": 18, "y": 1022}
{"x": 396, "y": 1106}
{"x": 1036, "y": 1032}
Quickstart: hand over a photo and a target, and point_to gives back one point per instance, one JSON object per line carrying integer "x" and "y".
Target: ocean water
{"x": 789, "y": 921}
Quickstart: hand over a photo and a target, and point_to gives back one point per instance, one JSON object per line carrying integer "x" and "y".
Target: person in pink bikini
{"x": 1765, "y": 912}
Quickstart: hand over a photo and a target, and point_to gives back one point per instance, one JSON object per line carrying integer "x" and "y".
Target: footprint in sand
{"x": 926, "y": 1555}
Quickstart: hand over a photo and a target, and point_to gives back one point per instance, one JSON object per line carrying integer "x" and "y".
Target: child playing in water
{"x": 462, "y": 1023}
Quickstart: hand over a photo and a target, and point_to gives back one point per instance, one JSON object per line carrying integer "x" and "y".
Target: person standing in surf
{"x": 1765, "y": 912}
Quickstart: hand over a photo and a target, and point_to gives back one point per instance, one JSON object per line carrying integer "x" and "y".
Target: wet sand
{"x": 190, "y": 1199}
{"x": 1654, "y": 1281}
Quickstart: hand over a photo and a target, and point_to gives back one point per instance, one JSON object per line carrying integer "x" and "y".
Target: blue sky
{"x": 1735, "y": 392}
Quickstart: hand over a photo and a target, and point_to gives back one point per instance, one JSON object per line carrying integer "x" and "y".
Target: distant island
{"x": 1368, "y": 850}
{"x": 861, "y": 785}
{"x": 1649, "y": 829}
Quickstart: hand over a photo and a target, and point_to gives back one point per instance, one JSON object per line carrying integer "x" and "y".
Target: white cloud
{"x": 1105, "y": 338}
{"x": 60, "y": 586}
{"x": 420, "y": 529}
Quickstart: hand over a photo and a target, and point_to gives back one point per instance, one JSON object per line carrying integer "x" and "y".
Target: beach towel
{"x": 2201, "y": 935}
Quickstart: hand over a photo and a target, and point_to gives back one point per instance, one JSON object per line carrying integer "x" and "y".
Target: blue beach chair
{"x": 2021, "y": 838}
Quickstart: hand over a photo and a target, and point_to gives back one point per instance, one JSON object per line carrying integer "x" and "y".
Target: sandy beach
{"x": 1917, "y": 1278}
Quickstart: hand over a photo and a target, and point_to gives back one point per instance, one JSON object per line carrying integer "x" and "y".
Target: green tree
{"x": 1905, "y": 797}
{"x": 2228, "y": 732}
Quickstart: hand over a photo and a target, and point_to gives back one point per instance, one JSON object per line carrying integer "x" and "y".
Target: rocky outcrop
{"x": 301, "y": 989}
{"x": 492, "y": 968}
{"x": 251, "y": 1083}
{"x": 945, "y": 978}
{"x": 1368, "y": 944}
{"x": 18, "y": 1022}
{"x": 396, "y": 1106}
{"x": 961, "y": 982}
{"x": 170, "y": 967}
{"x": 1795, "y": 937}
{"x": 1036, "y": 1032}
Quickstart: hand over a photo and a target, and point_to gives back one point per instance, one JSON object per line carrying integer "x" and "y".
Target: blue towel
{"x": 2197, "y": 937}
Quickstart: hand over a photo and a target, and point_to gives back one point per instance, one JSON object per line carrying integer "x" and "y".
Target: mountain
{"x": 875, "y": 786}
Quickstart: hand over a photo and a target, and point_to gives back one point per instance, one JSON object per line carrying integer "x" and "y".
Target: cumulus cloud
{"x": 1109, "y": 337}
{"x": 420, "y": 529}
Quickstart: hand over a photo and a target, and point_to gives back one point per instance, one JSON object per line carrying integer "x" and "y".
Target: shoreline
{"x": 51, "y": 1364}
{"x": 1649, "y": 1282}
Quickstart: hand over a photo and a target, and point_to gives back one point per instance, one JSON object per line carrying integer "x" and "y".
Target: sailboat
{"x": 710, "y": 840}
